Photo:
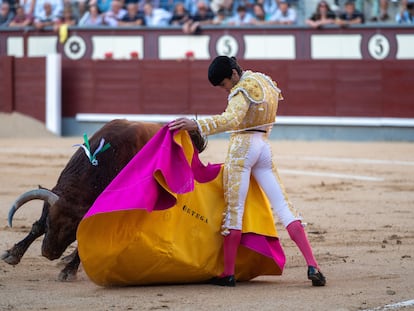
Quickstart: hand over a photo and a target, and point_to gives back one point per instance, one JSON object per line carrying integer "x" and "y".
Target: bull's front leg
{"x": 13, "y": 255}
{"x": 71, "y": 269}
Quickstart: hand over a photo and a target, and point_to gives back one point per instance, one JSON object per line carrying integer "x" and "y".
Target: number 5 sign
{"x": 378, "y": 46}
{"x": 227, "y": 45}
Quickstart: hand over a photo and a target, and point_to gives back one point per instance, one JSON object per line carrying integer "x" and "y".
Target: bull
{"x": 78, "y": 186}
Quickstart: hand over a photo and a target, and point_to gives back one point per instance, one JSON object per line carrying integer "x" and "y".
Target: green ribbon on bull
{"x": 87, "y": 148}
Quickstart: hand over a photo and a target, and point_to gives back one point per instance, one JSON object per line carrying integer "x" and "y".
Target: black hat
{"x": 220, "y": 68}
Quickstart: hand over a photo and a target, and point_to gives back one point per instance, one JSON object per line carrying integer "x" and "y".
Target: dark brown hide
{"x": 80, "y": 182}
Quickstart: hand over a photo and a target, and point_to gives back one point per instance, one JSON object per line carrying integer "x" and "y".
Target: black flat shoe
{"x": 224, "y": 281}
{"x": 316, "y": 277}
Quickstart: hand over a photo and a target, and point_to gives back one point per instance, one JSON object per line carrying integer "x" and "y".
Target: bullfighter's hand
{"x": 183, "y": 124}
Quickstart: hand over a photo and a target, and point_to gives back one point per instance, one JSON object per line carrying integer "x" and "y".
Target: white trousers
{"x": 251, "y": 154}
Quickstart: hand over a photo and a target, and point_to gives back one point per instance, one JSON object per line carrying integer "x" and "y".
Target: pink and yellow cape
{"x": 159, "y": 222}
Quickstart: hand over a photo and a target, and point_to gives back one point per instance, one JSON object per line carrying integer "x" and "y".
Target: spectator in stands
{"x": 46, "y": 17}
{"x": 180, "y": 15}
{"x": 92, "y": 17}
{"x": 115, "y": 14}
{"x": 133, "y": 17}
{"x": 242, "y": 17}
{"x": 259, "y": 15}
{"x": 6, "y": 14}
{"x": 68, "y": 18}
{"x": 203, "y": 16}
{"x": 221, "y": 18}
{"x": 21, "y": 19}
{"x": 191, "y": 6}
{"x": 56, "y": 7}
{"x": 223, "y": 5}
{"x": 156, "y": 17}
{"x": 381, "y": 13}
{"x": 379, "y": 9}
{"x": 12, "y": 4}
{"x": 248, "y": 4}
{"x": 28, "y": 6}
{"x": 406, "y": 16}
{"x": 269, "y": 6}
{"x": 78, "y": 7}
{"x": 82, "y": 8}
{"x": 322, "y": 16}
{"x": 284, "y": 15}
{"x": 350, "y": 16}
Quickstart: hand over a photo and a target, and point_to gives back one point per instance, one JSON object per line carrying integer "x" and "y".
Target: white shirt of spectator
{"x": 158, "y": 17}
{"x": 279, "y": 17}
{"x": 112, "y": 18}
{"x": 237, "y": 20}
{"x": 57, "y": 7}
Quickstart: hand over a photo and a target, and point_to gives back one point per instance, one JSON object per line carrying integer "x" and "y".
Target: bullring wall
{"x": 358, "y": 72}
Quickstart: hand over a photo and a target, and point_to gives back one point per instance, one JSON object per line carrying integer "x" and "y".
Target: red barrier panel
{"x": 6, "y": 85}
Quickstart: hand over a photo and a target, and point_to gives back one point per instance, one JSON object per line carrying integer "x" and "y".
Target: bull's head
{"x": 60, "y": 221}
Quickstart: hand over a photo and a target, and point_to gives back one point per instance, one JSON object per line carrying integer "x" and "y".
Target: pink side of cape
{"x": 267, "y": 246}
{"x": 135, "y": 187}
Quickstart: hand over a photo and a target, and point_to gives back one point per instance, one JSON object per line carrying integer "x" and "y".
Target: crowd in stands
{"x": 192, "y": 15}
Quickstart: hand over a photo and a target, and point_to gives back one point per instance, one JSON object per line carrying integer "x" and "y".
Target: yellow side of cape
{"x": 181, "y": 244}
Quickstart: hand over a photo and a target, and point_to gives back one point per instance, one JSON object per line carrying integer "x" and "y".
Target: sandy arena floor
{"x": 357, "y": 199}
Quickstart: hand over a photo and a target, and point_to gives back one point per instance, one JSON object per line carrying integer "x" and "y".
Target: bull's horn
{"x": 37, "y": 194}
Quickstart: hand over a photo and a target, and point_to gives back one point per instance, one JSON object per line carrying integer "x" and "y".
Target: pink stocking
{"x": 231, "y": 244}
{"x": 298, "y": 235}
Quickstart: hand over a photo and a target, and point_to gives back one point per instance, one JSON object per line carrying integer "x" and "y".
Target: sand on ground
{"x": 357, "y": 199}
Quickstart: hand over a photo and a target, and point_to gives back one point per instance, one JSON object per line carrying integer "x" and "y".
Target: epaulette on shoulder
{"x": 250, "y": 88}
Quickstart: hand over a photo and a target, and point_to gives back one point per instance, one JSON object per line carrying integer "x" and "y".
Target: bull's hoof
{"x": 67, "y": 275}
{"x": 9, "y": 258}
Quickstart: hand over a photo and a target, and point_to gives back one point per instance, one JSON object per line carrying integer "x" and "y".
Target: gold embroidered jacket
{"x": 252, "y": 103}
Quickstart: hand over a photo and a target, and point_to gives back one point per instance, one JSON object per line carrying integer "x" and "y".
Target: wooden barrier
{"x": 311, "y": 88}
